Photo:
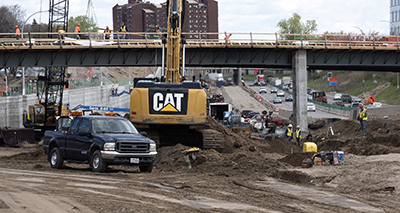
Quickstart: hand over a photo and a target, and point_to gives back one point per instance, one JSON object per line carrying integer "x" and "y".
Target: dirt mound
{"x": 241, "y": 155}
{"x": 34, "y": 154}
{"x": 382, "y": 137}
{"x": 296, "y": 159}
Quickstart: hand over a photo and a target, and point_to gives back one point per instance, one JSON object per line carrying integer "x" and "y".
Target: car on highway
{"x": 346, "y": 98}
{"x": 263, "y": 90}
{"x": 309, "y": 97}
{"x": 289, "y": 98}
{"x": 375, "y": 105}
{"x": 355, "y": 102}
{"x": 338, "y": 103}
{"x": 309, "y": 91}
{"x": 311, "y": 107}
{"x": 274, "y": 90}
{"x": 280, "y": 93}
{"x": 337, "y": 96}
{"x": 277, "y": 100}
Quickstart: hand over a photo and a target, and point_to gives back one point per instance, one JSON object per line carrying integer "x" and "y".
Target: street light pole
{"x": 397, "y": 34}
{"x": 23, "y": 25}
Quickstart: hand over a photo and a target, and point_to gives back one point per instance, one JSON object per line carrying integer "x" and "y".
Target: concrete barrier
{"x": 12, "y": 107}
{"x": 384, "y": 111}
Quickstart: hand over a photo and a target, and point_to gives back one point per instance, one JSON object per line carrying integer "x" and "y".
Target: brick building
{"x": 201, "y": 16}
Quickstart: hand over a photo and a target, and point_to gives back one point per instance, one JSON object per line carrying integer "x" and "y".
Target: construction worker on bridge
{"x": 362, "y": 117}
{"x": 123, "y": 30}
{"x": 61, "y": 33}
{"x": 289, "y": 132}
{"x": 77, "y": 30}
{"x": 298, "y": 135}
{"x": 17, "y": 32}
{"x": 107, "y": 33}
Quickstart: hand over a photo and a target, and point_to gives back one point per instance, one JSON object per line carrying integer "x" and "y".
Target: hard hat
{"x": 290, "y": 125}
{"x": 360, "y": 105}
{"x": 16, "y": 26}
{"x": 107, "y": 27}
{"x": 298, "y": 127}
{"x": 60, "y": 28}
{"x": 78, "y": 24}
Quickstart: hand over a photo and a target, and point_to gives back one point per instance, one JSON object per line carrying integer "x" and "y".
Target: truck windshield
{"x": 113, "y": 126}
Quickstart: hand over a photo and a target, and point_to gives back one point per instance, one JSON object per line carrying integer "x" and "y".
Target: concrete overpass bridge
{"x": 268, "y": 50}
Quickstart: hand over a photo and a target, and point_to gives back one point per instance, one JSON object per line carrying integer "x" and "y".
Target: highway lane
{"x": 288, "y": 105}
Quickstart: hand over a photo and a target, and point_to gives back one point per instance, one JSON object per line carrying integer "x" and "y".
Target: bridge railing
{"x": 35, "y": 40}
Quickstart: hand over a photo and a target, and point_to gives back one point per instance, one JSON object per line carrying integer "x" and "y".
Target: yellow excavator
{"x": 173, "y": 110}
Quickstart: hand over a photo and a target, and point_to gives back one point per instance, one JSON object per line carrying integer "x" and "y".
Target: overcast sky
{"x": 259, "y": 16}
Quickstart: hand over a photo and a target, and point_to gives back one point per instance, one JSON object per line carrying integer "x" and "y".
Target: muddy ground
{"x": 250, "y": 175}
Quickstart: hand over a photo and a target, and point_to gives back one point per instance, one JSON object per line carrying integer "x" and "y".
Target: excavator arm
{"x": 174, "y": 42}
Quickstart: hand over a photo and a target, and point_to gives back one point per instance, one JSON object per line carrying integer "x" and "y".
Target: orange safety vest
{"x": 17, "y": 32}
{"x": 77, "y": 29}
{"x": 107, "y": 32}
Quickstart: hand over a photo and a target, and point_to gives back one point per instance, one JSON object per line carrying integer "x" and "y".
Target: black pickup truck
{"x": 99, "y": 141}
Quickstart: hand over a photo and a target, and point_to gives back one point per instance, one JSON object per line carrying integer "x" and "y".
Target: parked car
{"x": 257, "y": 117}
{"x": 346, "y": 98}
{"x": 375, "y": 105}
{"x": 252, "y": 113}
{"x": 289, "y": 98}
{"x": 338, "y": 103}
{"x": 263, "y": 90}
{"x": 274, "y": 90}
{"x": 245, "y": 113}
{"x": 337, "y": 96}
{"x": 311, "y": 107}
{"x": 277, "y": 100}
{"x": 280, "y": 93}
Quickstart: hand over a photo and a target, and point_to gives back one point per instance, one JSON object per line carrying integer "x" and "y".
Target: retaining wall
{"x": 11, "y": 108}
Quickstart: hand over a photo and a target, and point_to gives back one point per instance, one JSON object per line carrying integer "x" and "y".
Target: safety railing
{"x": 35, "y": 40}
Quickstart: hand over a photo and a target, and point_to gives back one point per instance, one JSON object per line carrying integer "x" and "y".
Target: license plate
{"x": 135, "y": 160}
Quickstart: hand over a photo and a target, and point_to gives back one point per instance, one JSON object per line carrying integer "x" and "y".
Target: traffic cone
{"x": 276, "y": 109}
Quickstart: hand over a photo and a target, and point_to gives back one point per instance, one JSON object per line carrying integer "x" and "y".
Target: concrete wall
{"x": 11, "y": 108}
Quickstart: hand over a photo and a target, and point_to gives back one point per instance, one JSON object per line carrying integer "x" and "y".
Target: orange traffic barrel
{"x": 276, "y": 109}
{"x": 259, "y": 99}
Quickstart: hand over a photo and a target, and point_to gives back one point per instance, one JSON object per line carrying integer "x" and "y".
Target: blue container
{"x": 341, "y": 156}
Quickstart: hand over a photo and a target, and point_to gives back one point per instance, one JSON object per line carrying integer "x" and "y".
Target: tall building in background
{"x": 394, "y": 17}
{"x": 201, "y": 16}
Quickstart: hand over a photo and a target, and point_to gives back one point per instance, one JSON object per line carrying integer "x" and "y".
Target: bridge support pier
{"x": 237, "y": 76}
{"x": 300, "y": 90}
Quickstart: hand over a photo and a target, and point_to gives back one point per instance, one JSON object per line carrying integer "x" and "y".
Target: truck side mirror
{"x": 144, "y": 134}
{"x": 84, "y": 133}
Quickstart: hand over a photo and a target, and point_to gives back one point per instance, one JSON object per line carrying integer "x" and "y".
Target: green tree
{"x": 86, "y": 24}
{"x": 293, "y": 25}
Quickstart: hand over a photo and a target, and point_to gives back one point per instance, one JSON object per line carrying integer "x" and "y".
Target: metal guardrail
{"x": 34, "y": 40}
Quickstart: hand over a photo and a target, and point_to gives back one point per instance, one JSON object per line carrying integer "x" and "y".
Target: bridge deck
{"x": 95, "y": 41}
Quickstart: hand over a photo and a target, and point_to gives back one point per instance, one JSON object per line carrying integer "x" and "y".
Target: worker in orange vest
{"x": 123, "y": 30}
{"x": 107, "y": 33}
{"x": 17, "y": 32}
{"x": 77, "y": 30}
{"x": 61, "y": 33}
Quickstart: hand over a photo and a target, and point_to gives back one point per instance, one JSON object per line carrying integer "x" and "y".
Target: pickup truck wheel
{"x": 97, "y": 163}
{"x": 56, "y": 161}
{"x": 147, "y": 168}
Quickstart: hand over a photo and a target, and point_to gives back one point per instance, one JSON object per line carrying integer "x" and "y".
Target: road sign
{"x": 333, "y": 79}
{"x": 332, "y": 83}
{"x": 255, "y": 71}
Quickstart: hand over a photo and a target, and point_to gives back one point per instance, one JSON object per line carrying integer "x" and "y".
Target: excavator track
{"x": 213, "y": 139}
{"x": 204, "y": 138}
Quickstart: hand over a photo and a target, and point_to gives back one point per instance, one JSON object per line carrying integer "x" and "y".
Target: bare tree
{"x": 9, "y": 17}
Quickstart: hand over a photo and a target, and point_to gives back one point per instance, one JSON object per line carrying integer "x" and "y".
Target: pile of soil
{"x": 382, "y": 137}
{"x": 241, "y": 156}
